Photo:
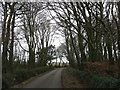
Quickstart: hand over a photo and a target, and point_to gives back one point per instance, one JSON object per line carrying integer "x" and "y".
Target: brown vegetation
{"x": 102, "y": 68}
{"x": 69, "y": 81}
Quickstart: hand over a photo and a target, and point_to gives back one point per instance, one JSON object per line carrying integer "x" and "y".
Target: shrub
{"x": 95, "y": 81}
{"x": 7, "y": 80}
{"x": 20, "y": 75}
{"x": 104, "y": 82}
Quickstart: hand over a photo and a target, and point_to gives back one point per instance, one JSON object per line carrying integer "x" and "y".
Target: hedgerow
{"x": 94, "y": 80}
{"x": 20, "y": 75}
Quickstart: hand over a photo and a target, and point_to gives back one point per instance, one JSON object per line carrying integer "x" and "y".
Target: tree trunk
{"x": 109, "y": 48}
{"x": 11, "y": 59}
{"x": 70, "y": 56}
{"x": 80, "y": 41}
{"x": 4, "y": 55}
{"x": 119, "y": 40}
{"x": 74, "y": 48}
{"x": 105, "y": 53}
{"x": 6, "y": 38}
{"x": 31, "y": 62}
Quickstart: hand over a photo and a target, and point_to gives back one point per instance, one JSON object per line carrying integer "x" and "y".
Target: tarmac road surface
{"x": 50, "y": 80}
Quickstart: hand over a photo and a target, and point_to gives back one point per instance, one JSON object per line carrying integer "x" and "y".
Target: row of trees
{"x": 91, "y": 30}
{"x": 26, "y": 35}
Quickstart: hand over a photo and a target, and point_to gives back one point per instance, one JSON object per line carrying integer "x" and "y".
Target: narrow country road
{"x": 49, "y": 80}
